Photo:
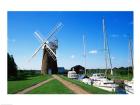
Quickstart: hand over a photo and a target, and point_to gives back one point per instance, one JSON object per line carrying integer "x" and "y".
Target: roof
{"x": 78, "y": 66}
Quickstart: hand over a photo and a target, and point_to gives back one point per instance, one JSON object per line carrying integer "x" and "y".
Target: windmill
{"x": 49, "y": 46}
{"x": 106, "y": 49}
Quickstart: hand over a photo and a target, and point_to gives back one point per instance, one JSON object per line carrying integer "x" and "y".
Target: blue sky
{"x": 22, "y": 43}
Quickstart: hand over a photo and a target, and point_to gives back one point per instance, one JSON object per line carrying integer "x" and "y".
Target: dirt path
{"x": 33, "y": 87}
{"x": 76, "y": 89}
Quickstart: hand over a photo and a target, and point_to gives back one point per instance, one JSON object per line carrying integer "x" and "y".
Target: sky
{"x": 22, "y": 42}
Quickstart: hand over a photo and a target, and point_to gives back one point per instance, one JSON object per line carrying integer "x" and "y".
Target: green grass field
{"x": 52, "y": 87}
{"x": 15, "y": 86}
{"x": 89, "y": 88}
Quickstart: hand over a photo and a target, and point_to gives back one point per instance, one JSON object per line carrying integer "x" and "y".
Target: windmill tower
{"x": 106, "y": 49}
{"x": 49, "y": 46}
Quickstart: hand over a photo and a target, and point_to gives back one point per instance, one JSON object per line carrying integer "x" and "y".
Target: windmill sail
{"x": 51, "y": 52}
{"x": 38, "y": 36}
{"x": 36, "y": 51}
{"x": 54, "y": 31}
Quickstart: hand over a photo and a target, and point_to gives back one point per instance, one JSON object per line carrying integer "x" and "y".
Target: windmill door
{"x": 49, "y": 71}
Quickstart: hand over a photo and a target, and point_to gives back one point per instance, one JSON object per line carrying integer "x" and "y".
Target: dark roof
{"x": 78, "y": 67}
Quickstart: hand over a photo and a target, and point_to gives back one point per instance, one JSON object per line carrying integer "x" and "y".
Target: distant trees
{"x": 12, "y": 67}
{"x": 123, "y": 70}
{"x": 15, "y": 74}
{"x": 116, "y": 71}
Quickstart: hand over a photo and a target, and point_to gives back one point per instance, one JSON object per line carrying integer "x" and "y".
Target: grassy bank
{"x": 89, "y": 88}
{"x": 52, "y": 87}
{"x": 18, "y": 85}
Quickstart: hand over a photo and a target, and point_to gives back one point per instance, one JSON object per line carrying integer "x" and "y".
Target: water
{"x": 120, "y": 90}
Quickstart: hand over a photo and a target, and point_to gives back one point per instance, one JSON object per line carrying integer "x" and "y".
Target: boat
{"x": 129, "y": 88}
{"x": 72, "y": 75}
{"x": 99, "y": 80}
{"x": 85, "y": 79}
{"x": 129, "y": 84}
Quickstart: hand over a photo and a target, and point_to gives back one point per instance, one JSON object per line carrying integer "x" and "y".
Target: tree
{"x": 12, "y": 67}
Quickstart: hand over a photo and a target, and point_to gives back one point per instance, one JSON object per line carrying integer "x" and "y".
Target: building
{"x": 61, "y": 70}
{"x": 78, "y": 69}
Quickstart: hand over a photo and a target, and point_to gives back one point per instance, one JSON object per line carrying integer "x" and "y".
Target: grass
{"x": 18, "y": 85}
{"x": 52, "y": 87}
{"x": 89, "y": 88}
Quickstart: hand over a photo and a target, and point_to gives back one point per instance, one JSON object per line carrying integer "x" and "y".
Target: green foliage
{"x": 18, "y": 85}
{"x": 52, "y": 87}
{"x": 23, "y": 74}
{"x": 125, "y": 73}
{"x": 89, "y": 88}
{"x": 12, "y": 67}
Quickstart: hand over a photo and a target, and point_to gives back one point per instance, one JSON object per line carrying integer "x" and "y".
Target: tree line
{"x": 116, "y": 71}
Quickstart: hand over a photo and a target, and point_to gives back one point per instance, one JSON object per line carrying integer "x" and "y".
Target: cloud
{"x": 125, "y": 36}
{"x": 114, "y": 35}
{"x": 12, "y": 40}
{"x": 72, "y": 56}
{"x": 93, "y": 52}
{"x": 113, "y": 58}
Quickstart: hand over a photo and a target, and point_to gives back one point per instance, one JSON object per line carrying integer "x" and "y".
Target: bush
{"x": 12, "y": 67}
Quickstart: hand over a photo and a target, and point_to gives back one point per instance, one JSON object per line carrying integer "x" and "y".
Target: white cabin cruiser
{"x": 72, "y": 75}
{"x": 100, "y": 81}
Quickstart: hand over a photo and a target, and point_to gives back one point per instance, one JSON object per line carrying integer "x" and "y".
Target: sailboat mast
{"x": 110, "y": 62}
{"x": 131, "y": 53}
{"x": 106, "y": 49}
{"x": 84, "y": 45}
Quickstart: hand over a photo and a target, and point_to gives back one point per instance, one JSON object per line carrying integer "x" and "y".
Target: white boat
{"x": 97, "y": 76}
{"x": 99, "y": 80}
{"x": 129, "y": 88}
{"x": 87, "y": 81}
{"x": 72, "y": 75}
{"x": 129, "y": 84}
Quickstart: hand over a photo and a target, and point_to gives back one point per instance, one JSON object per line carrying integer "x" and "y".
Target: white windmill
{"x": 49, "y": 46}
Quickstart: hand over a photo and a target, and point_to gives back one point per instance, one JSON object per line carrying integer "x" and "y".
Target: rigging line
{"x": 84, "y": 52}
{"x": 106, "y": 48}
